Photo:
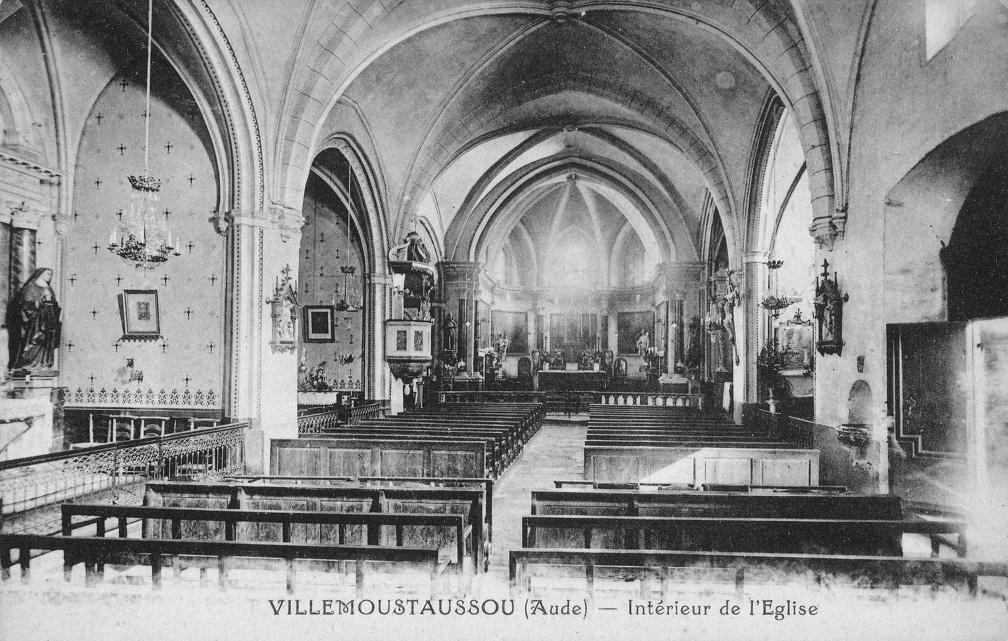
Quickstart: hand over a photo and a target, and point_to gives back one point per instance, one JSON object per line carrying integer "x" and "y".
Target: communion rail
{"x": 31, "y": 487}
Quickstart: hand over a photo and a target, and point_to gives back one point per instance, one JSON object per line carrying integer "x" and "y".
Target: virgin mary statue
{"x": 33, "y": 322}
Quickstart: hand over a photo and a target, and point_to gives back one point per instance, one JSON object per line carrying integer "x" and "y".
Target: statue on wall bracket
{"x": 284, "y": 313}
{"x": 34, "y": 325}
{"x": 829, "y": 313}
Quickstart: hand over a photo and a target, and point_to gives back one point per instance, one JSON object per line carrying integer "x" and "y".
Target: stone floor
{"x": 554, "y": 453}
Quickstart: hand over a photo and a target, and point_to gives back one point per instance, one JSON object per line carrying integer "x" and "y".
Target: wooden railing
{"x": 116, "y": 471}
{"x": 318, "y": 421}
{"x": 364, "y": 411}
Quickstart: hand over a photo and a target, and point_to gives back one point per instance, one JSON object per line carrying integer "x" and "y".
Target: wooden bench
{"x": 207, "y": 524}
{"x": 396, "y": 481}
{"x": 382, "y": 455}
{"x": 876, "y": 537}
{"x": 98, "y": 552}
{"x": 794, "y": 505}
{"x": 882, "y": 571}
{"x": 469, "y": 502}
{"x": 699, "y": 463}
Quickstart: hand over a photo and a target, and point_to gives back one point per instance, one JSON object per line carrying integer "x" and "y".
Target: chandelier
{"x": 774, "y": 303}
{"x": 142, "y": 236}
{"x": 350, "y": 301}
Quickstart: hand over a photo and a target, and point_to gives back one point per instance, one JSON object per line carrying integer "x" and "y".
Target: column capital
{"x": 24, "y": 216}
{"x": 825, "y": 231}
{"x": 755, "y": 256}
{"x": 287, "y": 220}
{"x": 455, "y": 270}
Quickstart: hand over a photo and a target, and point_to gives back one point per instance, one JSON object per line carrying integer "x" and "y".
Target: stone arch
{"x": 373, "y": 225}
{"x": 468, "y": 230}
{"x": 440, "y": 151}
{"x": 764, "y": 32}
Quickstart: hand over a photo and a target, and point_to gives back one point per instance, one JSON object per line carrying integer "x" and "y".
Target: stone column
{"x": 749, "y": 323}
{"x": 378, "y": 379}
{"x": 24, "y": 229}
{"x": 461, "y": 287}
{"x": 5, "y": 279}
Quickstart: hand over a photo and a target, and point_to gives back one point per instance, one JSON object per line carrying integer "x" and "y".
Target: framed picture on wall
{"x": 630, "y": 327}
{"x": 140, "y": 313}
{"x": 319, "y": 324}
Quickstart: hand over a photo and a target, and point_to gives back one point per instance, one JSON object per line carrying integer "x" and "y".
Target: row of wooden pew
{"x": 437, "y": 526}
{"x": 633, "y": 443}
{"x": 762, "y": 535}
{"x": 447, "y": 440}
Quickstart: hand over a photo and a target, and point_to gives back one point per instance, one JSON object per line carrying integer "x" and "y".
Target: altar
{"x": 571, "y": 380}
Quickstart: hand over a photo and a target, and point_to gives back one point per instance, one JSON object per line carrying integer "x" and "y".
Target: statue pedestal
{"x": 26, "y": 427}
{"x": 26, "y": 420}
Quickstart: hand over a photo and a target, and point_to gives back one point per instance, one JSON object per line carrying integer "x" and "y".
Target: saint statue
{"x": 448, "y": 333}
{"x": 502, "y": 345}
{"x": 33, "y": 322}
{"x": 643, "y": 342}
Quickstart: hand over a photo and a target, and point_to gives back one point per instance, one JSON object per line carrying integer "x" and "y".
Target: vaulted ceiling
{"x": 503, "y": 127}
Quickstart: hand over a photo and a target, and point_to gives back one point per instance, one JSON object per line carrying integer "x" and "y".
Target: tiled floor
{"x": 554, "y": 453}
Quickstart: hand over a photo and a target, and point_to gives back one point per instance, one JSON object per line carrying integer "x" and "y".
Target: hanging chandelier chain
{"x": 150, "y": 42}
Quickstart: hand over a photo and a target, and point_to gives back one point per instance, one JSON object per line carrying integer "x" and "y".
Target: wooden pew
{"x": 470, "y": 502}
{"x": 883, "y": 571}
{"x": 382, "y": 456}
{"x": 794, "y": 505}
{"x": 699, "y": 463}
{"x": 875, "y": 537}
{"x": 98, "y": 552}
{"x": 396, "y": 481}
{"x": 167, "y": 522}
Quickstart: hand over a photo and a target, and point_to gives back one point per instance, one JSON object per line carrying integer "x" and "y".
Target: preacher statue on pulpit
{"x": 33, "y": 322}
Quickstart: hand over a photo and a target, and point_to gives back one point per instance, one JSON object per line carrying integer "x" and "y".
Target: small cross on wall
{"x": 164, "y": 347}
{"x": 73, "y": 279}
{"x": 186, "y": 380}
{"x": 118, "y": 279}
{"x": 124, "y": 83}
{"x": 70, "y": 346}
{"x": 213, "y": 279}
{"x": 116, "y": 345}
{"x": 122, "y": 149}
{"x": 97, "y": 183}
{"x": 168, "y": 147}
{"x": 191, "y": 178}
{"x": 164, "y": 279}
{"x": 210, "y": 347}
{"x": 99, "y": 117}
{"x": 190, "y": 246}
{"x": 94, "y": 313}
{"x": 188, "y": 313}
{"x": 91, "y": 380}
{"x": 95, "y": 248}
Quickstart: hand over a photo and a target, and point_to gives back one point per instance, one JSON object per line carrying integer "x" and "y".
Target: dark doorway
{"x": 976, "y": 259}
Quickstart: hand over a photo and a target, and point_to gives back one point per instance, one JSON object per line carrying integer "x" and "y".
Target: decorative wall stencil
{"x": 194, "y": 284}
{"x": 141, "y": 398}
{"x": 326, "y": 215}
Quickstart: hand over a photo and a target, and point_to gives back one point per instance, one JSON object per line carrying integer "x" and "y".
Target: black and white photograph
{"x": 518, "y": 319}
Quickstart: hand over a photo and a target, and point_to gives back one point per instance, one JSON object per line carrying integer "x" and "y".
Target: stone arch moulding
{"x": 471, "y": 231}
{"x": 374, "y": 227}
{"x": 764, "y": 32}
{"x": 237, "y": 127}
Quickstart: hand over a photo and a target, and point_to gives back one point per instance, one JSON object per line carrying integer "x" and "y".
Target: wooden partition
{"x": 698, "y": 466}
{"x": 356, "y": 457}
